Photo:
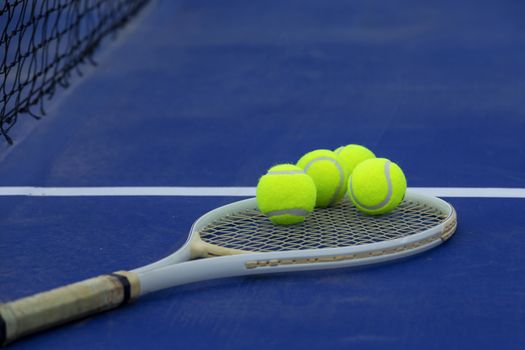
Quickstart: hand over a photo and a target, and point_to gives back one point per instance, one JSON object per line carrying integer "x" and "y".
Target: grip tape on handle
{"x": 57, "y": 306}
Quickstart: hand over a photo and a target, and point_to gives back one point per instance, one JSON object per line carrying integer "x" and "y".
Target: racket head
{"x": 238, "y": 240}
{"x": 339, "y": 235}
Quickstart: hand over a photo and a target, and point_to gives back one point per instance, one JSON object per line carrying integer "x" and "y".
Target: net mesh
{"x": 44, "y": 41}
{"x": 339, "y": 226}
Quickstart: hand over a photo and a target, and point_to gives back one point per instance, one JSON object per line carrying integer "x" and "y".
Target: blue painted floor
{"x": 206, "y": 93}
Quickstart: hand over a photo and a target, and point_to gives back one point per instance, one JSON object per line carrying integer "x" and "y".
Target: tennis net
{"x": 44, "y": 42}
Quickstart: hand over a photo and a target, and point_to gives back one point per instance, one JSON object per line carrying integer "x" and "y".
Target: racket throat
{"x": 200, "y": 249}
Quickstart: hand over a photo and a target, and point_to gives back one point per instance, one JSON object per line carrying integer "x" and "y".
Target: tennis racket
{"x": 236, "y": 240}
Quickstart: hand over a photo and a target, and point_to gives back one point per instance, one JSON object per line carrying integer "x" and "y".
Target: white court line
{"x": 468, "y": 192}
{"x": 128, "y": 191}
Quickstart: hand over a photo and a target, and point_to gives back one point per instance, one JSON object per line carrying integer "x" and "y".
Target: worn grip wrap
{"x": 57, "y": 306}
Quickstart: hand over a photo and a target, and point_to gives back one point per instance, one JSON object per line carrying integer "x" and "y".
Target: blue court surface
{"x": 194, "y": 100}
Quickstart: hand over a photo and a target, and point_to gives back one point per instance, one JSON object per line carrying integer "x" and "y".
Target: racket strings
{"x": 339, "y": 226}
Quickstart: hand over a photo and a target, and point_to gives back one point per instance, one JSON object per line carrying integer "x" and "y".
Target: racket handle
{"x": 72, "y": 302}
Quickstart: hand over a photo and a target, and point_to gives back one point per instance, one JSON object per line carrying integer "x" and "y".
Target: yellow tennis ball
{"x": 329, "y": 176}
{"x": 377, "y": 186}
{"x": 286, "y": 194}
{"x": 351, "y": 155}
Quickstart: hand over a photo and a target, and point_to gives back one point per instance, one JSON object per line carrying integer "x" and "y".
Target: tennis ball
{"x": 377, "y": 186}
{"x": 329, "y": 175}
{"x": 286, "y": 195}
{"x": 351, "y": 155}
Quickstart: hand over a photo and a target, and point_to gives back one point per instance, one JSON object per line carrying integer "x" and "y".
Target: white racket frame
{"x": 178, "y": 269}
{"x": 81, "y": 299}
